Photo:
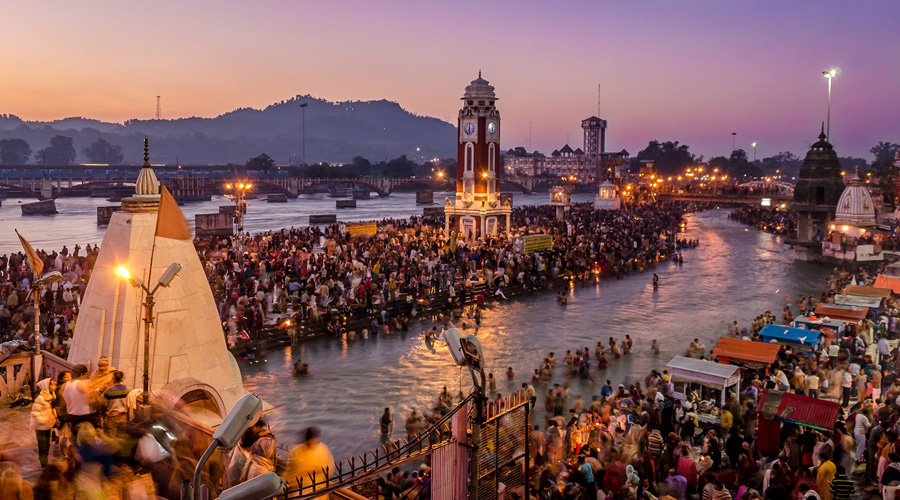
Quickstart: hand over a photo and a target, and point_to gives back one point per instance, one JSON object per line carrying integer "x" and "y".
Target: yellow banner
{"x": 537, "y": 243}
{"x": 362, "y": 229}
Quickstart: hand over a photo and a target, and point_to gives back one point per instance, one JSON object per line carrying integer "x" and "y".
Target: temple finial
{"x": 146, "y": 152}
{"x": 479, "y": 73}
{"x": 822, "y": 133}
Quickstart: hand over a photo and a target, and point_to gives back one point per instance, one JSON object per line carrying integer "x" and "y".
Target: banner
{"x": 365, "y": 229}
{"x": 538, "y": 243}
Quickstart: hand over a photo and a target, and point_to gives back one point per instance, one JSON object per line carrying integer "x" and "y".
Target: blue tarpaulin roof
{"x": 788, "y": 335}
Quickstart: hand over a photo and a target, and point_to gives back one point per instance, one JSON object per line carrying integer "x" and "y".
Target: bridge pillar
{"x": 46, "y": 188}
{"x": 293, "y": 186}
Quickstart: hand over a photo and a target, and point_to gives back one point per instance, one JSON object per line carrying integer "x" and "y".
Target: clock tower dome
{"x": 477, "y": 208}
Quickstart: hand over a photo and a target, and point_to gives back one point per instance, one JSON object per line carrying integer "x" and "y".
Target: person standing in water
{"x": 655, "y": 281}
{"x": 387, "y": 421}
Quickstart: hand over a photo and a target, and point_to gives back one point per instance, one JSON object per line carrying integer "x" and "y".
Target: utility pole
{"x": 303, "y": 108}
{"x": 733, "y": 138}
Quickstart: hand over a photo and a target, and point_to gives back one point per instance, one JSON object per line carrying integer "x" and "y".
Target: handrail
{"x": 400, "y": 455}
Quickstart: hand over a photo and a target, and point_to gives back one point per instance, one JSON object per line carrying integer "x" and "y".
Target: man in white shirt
{"x": 846, "y": 386}
{"x": 77, "y": 395}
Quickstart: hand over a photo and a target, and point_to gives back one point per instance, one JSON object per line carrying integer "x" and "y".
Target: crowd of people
{"x": 319, "y": 277}
{"x": 59, "y": 301}
{"x": 780, "y": 222}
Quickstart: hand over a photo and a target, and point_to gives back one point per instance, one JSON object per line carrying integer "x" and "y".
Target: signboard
{"x": 537, "y": 243}
{"x": 766, "y": 202}
{"x": 364, "y": 229}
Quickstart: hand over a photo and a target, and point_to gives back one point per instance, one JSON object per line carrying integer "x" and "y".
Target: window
{"x": 468, "y": 186}
{"x": 491, "y": 158}
{"x": 470, "y": 152}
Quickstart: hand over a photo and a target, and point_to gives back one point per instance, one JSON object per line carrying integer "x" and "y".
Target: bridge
{"x": 776, "y": 199}
{"x": 181, "y": 184}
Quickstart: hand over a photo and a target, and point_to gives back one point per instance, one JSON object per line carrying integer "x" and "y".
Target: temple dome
{"x": 480, "y": 89}
{"x": 855, "y": 207}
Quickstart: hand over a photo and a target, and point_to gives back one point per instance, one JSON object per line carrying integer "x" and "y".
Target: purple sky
{"x": 687, "y": 70}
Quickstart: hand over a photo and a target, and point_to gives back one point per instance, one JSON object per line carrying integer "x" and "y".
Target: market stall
{"x": 867, "y": 291}
{"x": 797, "y": 339}
{"x": 705, "y": 384}
{"x": 832, "y": 328}
{"x": 777, "y": 407}
{"x": 873, "y": 303}
{"x": 746, "y": 353}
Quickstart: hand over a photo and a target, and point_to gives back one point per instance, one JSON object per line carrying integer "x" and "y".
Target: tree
{"x": 262, "y": 162}
{"x": 784, "y": 163}
{"x": 399, "y": 167}
{"x": 358, "y": 167}
{"x": 60, "y": 151}
{"x": 14, "y": 151}
{"x": 668, "y": 157}
{"x": 886, "y": 173}
{"x": 101, "y": 151}
{"x": 884, "y": 150}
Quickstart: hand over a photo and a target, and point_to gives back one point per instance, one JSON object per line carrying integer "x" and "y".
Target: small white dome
{"x": 855, "y": 207}
{"x": 147, "y": 183}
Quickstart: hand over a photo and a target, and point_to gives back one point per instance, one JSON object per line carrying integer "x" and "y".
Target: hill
{"x": 335, "y": 133}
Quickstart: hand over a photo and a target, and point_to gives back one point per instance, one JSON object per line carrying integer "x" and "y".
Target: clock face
{"x": 492, "y": 128}
{"x": 469, "y": 128}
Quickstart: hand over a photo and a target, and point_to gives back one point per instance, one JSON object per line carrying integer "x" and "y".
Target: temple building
{"x": 851, "y": 238}
{"x": 477, "y": 210}
{"x": 188, "y": 359}
{"x": 607, "y": 197}
{"x": 816, "y": 197}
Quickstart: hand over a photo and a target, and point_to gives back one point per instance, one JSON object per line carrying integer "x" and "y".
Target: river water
{"x": 735, "y": 274}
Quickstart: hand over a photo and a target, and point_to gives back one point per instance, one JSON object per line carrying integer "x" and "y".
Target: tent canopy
{"x": 857, "y": 300}
{"x": 867, "y": 291}
{"x": 746, "y": 350}
{"x": 843, "y": 313}
{"x": 700, "y": 370}
{"x": 799, "y": 409}
{"x": 788, "y": 335}
{"x": 892, "y": 283}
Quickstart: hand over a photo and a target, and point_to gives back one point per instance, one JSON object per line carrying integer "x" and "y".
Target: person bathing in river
{"x": 655, "y": 281}
{"x": 654, "y": 347}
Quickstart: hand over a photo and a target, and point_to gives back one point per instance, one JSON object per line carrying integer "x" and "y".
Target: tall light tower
{"x": 830, "y": 74}
{"x": 733, "y": 138}
{"x": 754, "y": 149}
{"x": 158, "y": 108}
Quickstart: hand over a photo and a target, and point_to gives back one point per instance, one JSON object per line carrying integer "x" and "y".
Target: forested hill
{"x": 335, "y": 133}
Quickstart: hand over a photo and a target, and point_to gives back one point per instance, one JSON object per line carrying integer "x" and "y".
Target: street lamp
{"x": 830, "y": 74}
{"x": 303, "y": 106}
{"x": 46, "y": 279}
{"x": 240, "y": 208}
{"x": 754, "y": 144}
{"x": 164, "y": 281}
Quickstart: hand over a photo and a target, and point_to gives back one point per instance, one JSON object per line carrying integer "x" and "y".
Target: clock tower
{"x": 477, "y": 210}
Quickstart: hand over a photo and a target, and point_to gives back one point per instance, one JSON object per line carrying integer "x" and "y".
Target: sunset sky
{"x": 687, "y": 70}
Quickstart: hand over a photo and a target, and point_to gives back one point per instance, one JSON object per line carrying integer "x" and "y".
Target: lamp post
{"x": 164, "y": 281}
{"x": 303, "y": 108}
{"x": 733, "y": 137}
{"x": 39, "y": 282}
{"x": 754, "y": 149}
{"x": 830, "y": 74}
{"x": 240, "y": 208}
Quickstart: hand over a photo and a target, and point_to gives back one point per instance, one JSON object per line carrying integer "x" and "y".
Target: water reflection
{"x": 733, "y": 275}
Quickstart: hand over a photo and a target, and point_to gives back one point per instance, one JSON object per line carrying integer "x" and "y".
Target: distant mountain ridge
{"x": 335, "y": 133}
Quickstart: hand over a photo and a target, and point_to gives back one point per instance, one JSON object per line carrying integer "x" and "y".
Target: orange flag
{"x": 170, "y": 222}
{"x": 37, "y": 264}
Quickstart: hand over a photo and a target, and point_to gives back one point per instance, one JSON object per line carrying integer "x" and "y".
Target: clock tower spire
{"x": 477, "y": 208}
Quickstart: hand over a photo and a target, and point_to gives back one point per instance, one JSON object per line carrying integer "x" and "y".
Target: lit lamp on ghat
{"x": 164, "y": 281}
{"x": 239, "y": 191}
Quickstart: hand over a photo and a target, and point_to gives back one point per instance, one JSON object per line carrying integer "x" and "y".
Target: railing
{"x": 52, "y": 365}
{"x": 15, "y": 371}
{"x": 375, "y": 462}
